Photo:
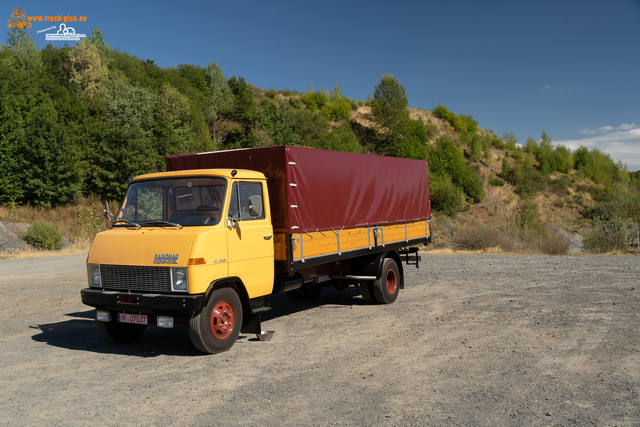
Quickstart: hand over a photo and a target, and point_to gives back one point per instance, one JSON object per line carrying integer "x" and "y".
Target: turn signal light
{"x": 196, "y": 261}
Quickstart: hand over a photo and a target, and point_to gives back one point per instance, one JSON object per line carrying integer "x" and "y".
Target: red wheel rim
{"x": 222, "y": 319}
{"x": 392, "y": 281}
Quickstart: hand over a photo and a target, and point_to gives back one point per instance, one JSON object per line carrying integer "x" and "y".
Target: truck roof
{"x": 225, "y": 173}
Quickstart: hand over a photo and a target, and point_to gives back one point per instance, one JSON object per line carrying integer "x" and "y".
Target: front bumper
{"x": 152, "y": 304}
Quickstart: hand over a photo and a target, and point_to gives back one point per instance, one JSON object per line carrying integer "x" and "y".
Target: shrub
{"x": 474, "y": 153}
{"x": 495, "y": 182}
{"x": 527, "y": 217}
{"x": 560, "y": 185}
{"x": 482, "y": 237}
{"x": 337, "y": 109}
{"x": 554, "y": 241}
{"x": 461, "y": 123}
{"x": 498, "y": 143}
{"x": 472, "y": 186}
{"x": 44, "y": 235}
{"x": 287, "y": 92}
{"x": 295, "y": 103}
{"x": 446, "y": 197}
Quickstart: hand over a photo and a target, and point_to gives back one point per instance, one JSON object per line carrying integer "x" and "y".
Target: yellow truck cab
{"x": 205, "y": 246}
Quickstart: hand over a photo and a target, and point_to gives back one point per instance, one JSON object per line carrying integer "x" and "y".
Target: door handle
{"x": 267, "y": 237}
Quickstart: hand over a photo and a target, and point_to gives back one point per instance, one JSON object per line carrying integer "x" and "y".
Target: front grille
{"x": 128, "y": 277}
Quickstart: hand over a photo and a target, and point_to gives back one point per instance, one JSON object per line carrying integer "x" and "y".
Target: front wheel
{"x": 119, "y": 333}
{"x": 386, "y": 288}
{"x": 216, "y": 327}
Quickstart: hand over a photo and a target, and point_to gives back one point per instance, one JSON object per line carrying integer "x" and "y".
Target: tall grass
{"x": 79, "y": 222}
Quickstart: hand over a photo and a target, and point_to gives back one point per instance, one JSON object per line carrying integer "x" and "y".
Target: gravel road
{"x": 473, "y": 340}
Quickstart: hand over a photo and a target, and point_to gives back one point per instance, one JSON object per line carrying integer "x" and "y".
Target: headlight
{"x": 179, "y": 279}
{"x": 94, "y": 276}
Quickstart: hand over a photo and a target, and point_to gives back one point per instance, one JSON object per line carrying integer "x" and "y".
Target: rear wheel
{"x": 216, "y": 327}
{"x": 366, "y": 290}
{"x": 386, "y": 288}
{"x": 119, "y": 333}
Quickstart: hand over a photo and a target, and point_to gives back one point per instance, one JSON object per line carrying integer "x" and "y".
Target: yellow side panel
{"x": 309, "y": 245}
{"x": 355, "y": 238}
{"x": 416, "y": 230}
{"x": 393, "y": 233}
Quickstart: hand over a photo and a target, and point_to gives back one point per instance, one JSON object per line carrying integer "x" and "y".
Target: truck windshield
{"x": 187, "y": 201}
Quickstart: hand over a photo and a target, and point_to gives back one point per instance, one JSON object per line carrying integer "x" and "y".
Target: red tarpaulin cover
{"x": 332, "y": 190}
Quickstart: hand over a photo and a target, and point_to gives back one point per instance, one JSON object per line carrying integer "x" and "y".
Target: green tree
{"x": 510, "y": 139}
{"x": 25, "y": 58}
{"x": 389, "y": 105}
{"x": 338, "y": 108}
{"x": 97, "y": 39}
{"x": 86, "y": 69}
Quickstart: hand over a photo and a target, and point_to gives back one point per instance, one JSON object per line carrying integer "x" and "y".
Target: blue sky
{"x": 570, "y": 68}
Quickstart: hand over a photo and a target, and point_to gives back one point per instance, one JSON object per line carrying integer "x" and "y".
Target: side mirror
{"x": 107, "y": 213}
{"x": 255, "y": 206}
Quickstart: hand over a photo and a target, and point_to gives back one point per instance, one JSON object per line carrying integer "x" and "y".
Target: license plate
{"x": 138, "y": 319}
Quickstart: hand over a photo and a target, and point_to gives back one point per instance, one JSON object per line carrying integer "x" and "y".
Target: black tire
{"x": 386, "y": 288}
{"x": 366, "y": 290}
{"x": 308, "y": 291}
{"x": 119, "y": 333}
{"x": 216, "y": 327}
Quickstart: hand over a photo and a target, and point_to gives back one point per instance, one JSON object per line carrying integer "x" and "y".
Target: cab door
{"x": 250, "y": 238}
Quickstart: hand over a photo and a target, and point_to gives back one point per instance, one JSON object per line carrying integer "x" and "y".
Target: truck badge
{"x": 166, "y": 259}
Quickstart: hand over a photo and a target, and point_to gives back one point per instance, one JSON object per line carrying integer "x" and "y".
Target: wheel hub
{"x": 392, "y": 281}
{"x": 222, "y": 319}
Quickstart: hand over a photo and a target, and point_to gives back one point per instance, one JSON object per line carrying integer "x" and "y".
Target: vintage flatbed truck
{"x": 208, "y": 241}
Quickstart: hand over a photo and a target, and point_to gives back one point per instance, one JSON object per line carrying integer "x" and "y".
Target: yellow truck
{"x": 207, "y": 242}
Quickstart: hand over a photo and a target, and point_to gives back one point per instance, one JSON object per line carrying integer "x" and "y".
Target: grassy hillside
{"x": 77, "y": 122}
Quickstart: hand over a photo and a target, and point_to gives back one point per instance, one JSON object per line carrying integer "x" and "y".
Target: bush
{"x": 527, "y": 217}
{"x": 482, "y": 237}
{"x": 560, "y": 185}
{"x": 554, "y": 242}
{"x": 460, "y": 122}
{"x": 498, "y": 143}
{"x": 495, "y": 182}
{"x": 472, "y": 186}
{"x": 446, "y": 197}
{"x": 295, "y": 103}
{"x": 44, "y": 235}
{"x": 337, "y": 109}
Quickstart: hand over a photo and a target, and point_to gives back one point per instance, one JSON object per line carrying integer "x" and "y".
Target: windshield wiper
{"x": 171, "y": 224}
{"x": 127, "y": 222}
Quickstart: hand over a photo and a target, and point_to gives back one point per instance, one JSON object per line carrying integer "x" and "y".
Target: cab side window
{"x": 240, "y": 193}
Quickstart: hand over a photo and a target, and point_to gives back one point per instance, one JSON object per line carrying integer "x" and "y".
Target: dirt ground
{"x": 473, "y": 340}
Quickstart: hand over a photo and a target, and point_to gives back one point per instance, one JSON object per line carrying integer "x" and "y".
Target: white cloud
{"x": 623, "y": 145}
{"x": 547, "y": 87}
{"x": 625, "y": 126}
{"x": 585, "y": 130}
